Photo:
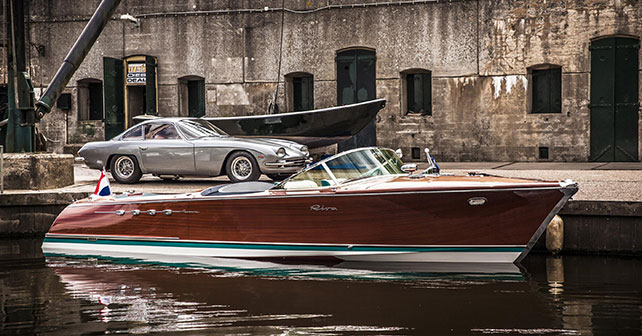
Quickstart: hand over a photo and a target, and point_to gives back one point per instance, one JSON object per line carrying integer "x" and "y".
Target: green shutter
{"x": 410, "y": 94}
{"x": 303, "y": 93}
{"x": 150, "y": 85}
{"x": 346, "y": 77}
{"x": 114, "y": 94}
{"x": 626, "y": 99}
{"x": 196, "y": 97}
{"x": 356, "y": 82}
{"x": 307, "y": 101}
{"x": 427, "y": 93}
{"x": 555, "y": 83}
{"x": 95, "y": 101}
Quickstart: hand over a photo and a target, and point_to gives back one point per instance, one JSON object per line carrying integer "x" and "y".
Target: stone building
{"x": 518, "y": 80}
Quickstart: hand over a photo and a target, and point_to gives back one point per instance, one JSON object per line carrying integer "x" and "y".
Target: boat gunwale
{"x": 276, "y": 115}
{"x": 266, "y": 195}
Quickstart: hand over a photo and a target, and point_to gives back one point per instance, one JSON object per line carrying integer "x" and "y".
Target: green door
{"x": 150, "y": 85}
{"x": 614, "y": 99}
{"x": 114, "y": 96}
{"x": 356, "y": 82}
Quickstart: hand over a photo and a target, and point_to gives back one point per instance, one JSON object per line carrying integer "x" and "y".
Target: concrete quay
{"x": 605, "y": 216}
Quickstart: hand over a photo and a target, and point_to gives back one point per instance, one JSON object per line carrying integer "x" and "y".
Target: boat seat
{"x": 237, "y": 188}
{"x": 300, "y": 184}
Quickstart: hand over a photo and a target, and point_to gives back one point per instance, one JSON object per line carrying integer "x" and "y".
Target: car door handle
{"x": 142, "y": 147}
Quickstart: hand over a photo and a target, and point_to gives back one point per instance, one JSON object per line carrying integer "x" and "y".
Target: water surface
{"x": 571, "y": 295}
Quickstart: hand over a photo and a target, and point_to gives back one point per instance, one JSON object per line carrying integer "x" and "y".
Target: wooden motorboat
{"x": 359, "y": 205}
{"x": 314, "y": 128}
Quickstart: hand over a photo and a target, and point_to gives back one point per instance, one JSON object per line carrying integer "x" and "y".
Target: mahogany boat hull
{"x": 487, "y": 225}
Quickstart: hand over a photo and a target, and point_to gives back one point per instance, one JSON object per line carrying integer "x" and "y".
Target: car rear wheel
{"x": 241, "y": 167}
{"x": 124, "y": 169}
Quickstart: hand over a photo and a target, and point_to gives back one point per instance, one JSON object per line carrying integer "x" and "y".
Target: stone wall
{"x": 37, "y": 171}
{"x": 478, "y": 52}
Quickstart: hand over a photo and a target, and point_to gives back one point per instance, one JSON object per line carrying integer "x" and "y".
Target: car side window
{"x": 161, "y": 132}
{"x": 135, "y": 133}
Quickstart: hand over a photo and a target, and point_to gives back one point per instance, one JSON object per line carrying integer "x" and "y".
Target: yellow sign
{"x": 136, "y": 73}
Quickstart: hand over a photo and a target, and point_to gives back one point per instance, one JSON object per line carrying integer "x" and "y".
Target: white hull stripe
{"x": 79, "y": 247}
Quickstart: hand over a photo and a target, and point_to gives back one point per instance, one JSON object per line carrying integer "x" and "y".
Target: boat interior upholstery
{"x": 237, "y": 188}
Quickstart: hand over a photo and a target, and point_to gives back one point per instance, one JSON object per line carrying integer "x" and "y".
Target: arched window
{"x": 417, "y": 88}
{"x": 545, "y": 88}
{"x": 90, "y": 99}
{"x": 191, "y": 96}
{"x": 299, "y": 88}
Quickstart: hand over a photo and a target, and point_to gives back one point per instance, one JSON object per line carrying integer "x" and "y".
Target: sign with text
{"x": 136, "y": 73}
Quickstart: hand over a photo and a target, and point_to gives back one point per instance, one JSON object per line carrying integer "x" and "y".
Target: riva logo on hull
{"x": 318, "y": 207}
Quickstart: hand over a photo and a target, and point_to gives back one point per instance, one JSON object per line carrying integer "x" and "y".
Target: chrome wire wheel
{"x": 241, "y": 168}
{"x": 124, "y": 167}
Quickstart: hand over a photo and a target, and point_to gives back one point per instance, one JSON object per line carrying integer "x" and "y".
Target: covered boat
{"x": 314, "y": 128}
{"x": 359, "y": 205}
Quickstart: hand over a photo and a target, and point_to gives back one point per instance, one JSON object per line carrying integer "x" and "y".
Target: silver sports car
{"x": 191, "y": 146}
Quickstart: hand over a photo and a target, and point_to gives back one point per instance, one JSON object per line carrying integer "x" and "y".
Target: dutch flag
{"x": 102, "y": 189}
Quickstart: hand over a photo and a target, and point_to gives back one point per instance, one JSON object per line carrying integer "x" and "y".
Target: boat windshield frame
{"x": 345, "y": 167}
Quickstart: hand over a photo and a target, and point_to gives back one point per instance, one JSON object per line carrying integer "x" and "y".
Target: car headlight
{"x": 280, "y": 152}
{"x": 304, "y": 150}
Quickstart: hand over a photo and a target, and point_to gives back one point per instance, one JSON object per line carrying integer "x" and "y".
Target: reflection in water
{"x": 555, "y": 275}
{"x": 557, "y": 296}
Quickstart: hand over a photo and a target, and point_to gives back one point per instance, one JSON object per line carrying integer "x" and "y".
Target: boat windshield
{"x": 199, "y": 128}
{"x": 345, "y": 167}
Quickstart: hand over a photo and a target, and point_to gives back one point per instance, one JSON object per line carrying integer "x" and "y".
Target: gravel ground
{"x": 594, "y": 185}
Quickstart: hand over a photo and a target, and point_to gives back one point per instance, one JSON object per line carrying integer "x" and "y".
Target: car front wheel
{"x": 124, "y": 169}
{"x": 241, "y": 167}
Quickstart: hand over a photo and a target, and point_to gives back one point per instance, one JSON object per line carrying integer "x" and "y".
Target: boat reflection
{"x": 234, "y": 296}
{"x": 550, "y": 296}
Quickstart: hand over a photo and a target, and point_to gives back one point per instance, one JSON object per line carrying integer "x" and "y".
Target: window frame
{"x": 290, "y": 90}
{"x": 544, "y": 72}
{"x": 405, "y": 87}
{"x": 84, "y": 91}
{"x": 187, "y": 85}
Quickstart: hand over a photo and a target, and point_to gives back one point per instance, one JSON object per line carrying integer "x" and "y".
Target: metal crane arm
{"x": 76, "y": 55}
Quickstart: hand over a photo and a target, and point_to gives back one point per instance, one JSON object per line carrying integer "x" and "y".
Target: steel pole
{"x": 19, "y": 137}
{"x": 1, "y": 169}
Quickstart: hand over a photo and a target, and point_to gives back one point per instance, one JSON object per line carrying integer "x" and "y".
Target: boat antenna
{"x": 274, "y": 107}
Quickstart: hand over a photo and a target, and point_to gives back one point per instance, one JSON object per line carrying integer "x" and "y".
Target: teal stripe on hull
{"x": 282, "y": 246}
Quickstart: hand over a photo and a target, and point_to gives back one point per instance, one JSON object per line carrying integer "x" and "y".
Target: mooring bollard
{"x": 555, "y": 235}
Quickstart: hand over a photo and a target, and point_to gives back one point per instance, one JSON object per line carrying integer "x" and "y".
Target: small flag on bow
{"x": 102, "y": 189}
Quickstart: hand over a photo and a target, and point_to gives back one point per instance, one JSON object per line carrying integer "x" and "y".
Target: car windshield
{"x": 199, "y": 128}
{"x": 345, "y": 167}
